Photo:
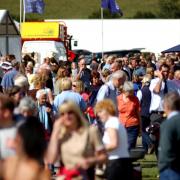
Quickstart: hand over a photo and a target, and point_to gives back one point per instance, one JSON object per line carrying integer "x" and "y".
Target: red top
{"x": 128, "y": 111}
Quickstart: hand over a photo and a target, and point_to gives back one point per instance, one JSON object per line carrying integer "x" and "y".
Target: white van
{"x": 45, "y": 49}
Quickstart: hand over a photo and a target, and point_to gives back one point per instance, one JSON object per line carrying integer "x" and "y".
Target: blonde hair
{"x": 128, "y": 86}
{"x": 107, "y": 105}
{"x": 79, "y": 86}
{"x": 66, "y": 84}
{"x": 72, "y": 106}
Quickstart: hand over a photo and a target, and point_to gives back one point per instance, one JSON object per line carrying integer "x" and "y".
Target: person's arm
{"x": 157, "y": 87}
{"x": 54, "y": 144}
{"x": 99, "y": 156}
{"x": 78, "y": 77}
{"x": 102, "y": 93}
{"x": 113, "y": 136}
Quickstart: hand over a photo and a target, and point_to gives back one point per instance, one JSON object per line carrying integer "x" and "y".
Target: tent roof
{"x": 7, "y": 25}
{"x": 173, "y": 49}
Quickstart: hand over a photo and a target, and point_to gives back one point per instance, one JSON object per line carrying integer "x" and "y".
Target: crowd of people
{"x": 78, "y": 117}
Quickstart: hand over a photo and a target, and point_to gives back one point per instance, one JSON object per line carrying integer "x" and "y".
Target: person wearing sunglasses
{"x": 78, "y": 146}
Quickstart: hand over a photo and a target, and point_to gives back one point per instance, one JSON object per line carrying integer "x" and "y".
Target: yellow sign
{"x": 40, "y": 30}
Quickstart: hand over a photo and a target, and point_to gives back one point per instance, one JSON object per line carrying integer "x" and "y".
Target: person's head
{"x": 54, "y": 65}
{"x": 171, "y": 102}
{"x": 164, "y": 69}
{"x": 177, "y": 75}
{"x": 134, "y": 62}
{"x": 66, "y": 84}
{"x": 72, "y": 117}
{"x": 170, "y": 61}
{"x": 104, "y": 109}
{"x": 22, "y": 82}
{"x": 15, "y": 64}
{"x": 78, "y": 86}
{"x": 73, "y": 65}
{"x": 61, "y": 73}
{"x": 128, "y": 89}
{"x": 27, "y": 107}
{"x": 116, "y": 66}
{"x": 40, "y": 81}
{"x": 146, "y": 80}
{"x": 47, "y": 60}
{"x": 82, "y": 63}
{"x": 126, "y": 61}
{"x": 6, "y": 109}
{"x": 15, "y": 93}
{"x": 118, "y": 78}
{"x": 110, "y": 59}
{"x": 30, "y": 139}
{"x": 106, "y": 73}
{"x": 135, "y": 78}
{"x": 150, "y": 71}
{"x": 95, "y": 78}
{"x": 41, "y": 96}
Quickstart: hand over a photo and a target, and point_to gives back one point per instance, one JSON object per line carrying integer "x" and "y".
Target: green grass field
{"x": 80, "y": 9}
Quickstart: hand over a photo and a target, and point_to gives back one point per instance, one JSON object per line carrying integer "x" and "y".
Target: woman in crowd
{"x": 129, "y": 113}
{"x": 95, "y": 86}
{"x": 45, "y": 111}
{"x": 78, "y": 146}
{"x": 60, "y": 74}
{"x": 27, "y": 107}
{"x": 115, "y": 140}
{"x": 40, "y": 83}
{"x": 30, "y": 147}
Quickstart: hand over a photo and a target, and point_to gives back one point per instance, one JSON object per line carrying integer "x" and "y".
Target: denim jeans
{"x": 146, "y": 141}
{"x": 132, "y": 133}
{"x": 169, "y": 174}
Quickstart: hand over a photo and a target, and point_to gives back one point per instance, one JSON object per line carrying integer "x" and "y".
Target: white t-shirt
{"x": 5, "y": 135}
{"x": 122, "y": 150}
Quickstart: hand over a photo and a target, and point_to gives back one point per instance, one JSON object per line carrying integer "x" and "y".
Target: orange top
{"x": 128, "y": 111}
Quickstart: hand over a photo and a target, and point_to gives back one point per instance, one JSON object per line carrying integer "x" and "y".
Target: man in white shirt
{"x": 158, "y": 88}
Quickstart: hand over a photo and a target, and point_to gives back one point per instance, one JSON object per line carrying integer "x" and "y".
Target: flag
{"x": 34, "y": 6}
{"x": 112, "y": 6}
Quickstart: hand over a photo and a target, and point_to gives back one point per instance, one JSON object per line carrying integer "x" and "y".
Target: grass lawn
{"x": 149, "y": 167}
{"x": 80, "y": 9}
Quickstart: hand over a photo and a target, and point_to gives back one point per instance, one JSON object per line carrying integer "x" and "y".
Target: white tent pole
{"x": 102, "y": 31}
{"x": 24, "y": 11}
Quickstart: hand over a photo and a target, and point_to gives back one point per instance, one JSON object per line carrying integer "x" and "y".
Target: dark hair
{"x": 6, "y": 103}
{"x": 164, "y": 66}
{"x": 33, "y": 136}
{"x": 13, "y": 90}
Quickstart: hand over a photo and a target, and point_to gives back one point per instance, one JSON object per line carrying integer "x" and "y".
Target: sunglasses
{"x": 68, "y": 113}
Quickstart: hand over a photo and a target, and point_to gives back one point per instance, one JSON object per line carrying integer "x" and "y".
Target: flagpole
{"x": 102, "y": 30}
{"x": 24, "y": 11}
{"x": 20, "y": 15}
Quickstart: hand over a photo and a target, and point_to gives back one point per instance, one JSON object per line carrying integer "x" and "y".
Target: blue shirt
{"x": 8, "y": 79}
{"x": 69, "y": 96}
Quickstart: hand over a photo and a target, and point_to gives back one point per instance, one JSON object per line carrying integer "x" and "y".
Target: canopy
{"x": 10, "y": 42}
{"x": 173, "y": 49}
{"x": 7, "y": 25}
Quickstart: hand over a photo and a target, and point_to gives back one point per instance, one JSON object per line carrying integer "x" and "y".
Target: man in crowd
{"x": 169, "y": 148}
{"x": 8, "y": 78}
{"x": 84, "y": 73}
{"x": 110, "y": 89}
{"x": 7, "y": 126}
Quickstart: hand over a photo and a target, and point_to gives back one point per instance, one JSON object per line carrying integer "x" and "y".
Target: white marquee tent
{"x": 10, "y": 39}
